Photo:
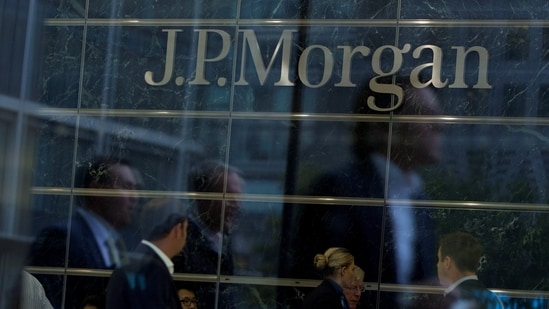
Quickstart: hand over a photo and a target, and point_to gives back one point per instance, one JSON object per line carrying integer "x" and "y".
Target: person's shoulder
{"x": 144, "y": 257}
{"x": 60, "y": 228}
{"x": 51, "y": 236}
{"x": 323, "y": 290}
{"x": 475, "y": 290}
{"x": 143, "y": 253}
{"x": 323, "y": 296}
{"x": 471, "y": 285}
{"x": 138, "y": 264}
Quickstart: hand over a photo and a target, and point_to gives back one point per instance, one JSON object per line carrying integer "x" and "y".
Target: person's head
{"x": 458, "y": 256}
{"x": 116, "y": 205}
{"x": 96, "y": 301}
{"x": 216, "y": 177}
{"x": 337, "y": 264}
{"x": 164, "y": 222}
{"x": 186, "y": 294}
{"x": 413, "y": 143}
{"x": 355, "y": 291}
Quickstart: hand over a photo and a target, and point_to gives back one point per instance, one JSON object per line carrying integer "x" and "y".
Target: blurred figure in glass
{"x": 353, "y": 294}
{"x": 94, "y": 302}
{"x": 385, "y": 166}
{"x": 146, "y": 280}
{"x": 32, "y": 293}
{"x": 210, "y": 226}
{"x": 459, "y": 256}
{"x": 94, "y": 239}
{"x": 337, "y": 266}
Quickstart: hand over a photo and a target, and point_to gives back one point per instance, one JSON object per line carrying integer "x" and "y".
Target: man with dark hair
{"x": 210, "y": 226}
{"x": 146, "y": 281}
{"x": 458, "y": 260}
{"x": 94, "y": 241}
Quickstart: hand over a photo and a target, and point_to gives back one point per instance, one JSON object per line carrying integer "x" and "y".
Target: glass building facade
{"x": 298, "y": 96}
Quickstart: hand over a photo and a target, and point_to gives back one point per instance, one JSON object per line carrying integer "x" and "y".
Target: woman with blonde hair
{"x": 337, "y": 266}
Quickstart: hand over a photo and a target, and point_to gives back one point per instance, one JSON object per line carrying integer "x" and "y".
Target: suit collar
{"x": 165, "y": 259}
{"x": 454, "y": 285}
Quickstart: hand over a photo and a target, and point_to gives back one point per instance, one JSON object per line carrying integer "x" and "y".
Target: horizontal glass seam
{"x": 297, "y": 22}
{"x": 446, "y": 119}
{"x": 296, "y": 199}
{"x": 384, "y": 287}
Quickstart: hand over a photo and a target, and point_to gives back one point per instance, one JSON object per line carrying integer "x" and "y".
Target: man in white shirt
{"x": 458, "y": 259}
{"x": 146, "y": 281}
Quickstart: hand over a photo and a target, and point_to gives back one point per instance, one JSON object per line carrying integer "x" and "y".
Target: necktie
{"x": 117, "y": 251}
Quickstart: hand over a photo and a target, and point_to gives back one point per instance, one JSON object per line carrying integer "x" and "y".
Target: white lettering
{"x": 328, "y": 66}
{"x": 283, "y": 53}
{"x": 285, "y": 43}
{"x": 202, "y": 50}
{"x": 168, "y": 69}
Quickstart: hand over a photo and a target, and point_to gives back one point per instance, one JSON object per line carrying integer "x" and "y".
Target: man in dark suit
{"x": 390, "y": 238}
{"x": 146, "y": 281}
{"x": 458, "y": 260}
{"x": 210, "y": 227}
{"x": 91, "y": 232}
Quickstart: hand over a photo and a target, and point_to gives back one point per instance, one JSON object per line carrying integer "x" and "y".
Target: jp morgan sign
{"x": 250, "y": 50}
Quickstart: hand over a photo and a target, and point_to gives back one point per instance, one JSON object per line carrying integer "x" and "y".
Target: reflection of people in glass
{"x": 210, "y": 227}
{"x": 458, "y": 260}
{"x": 337, "y": 266}
{"x": 407, "y": 241}
{"x": 94, "y": 240}
{"x": 32, "y": 293}
{"x": 94, "y": 302}
{"x": 355, "y": 291}
{"x": 146, "y": 280}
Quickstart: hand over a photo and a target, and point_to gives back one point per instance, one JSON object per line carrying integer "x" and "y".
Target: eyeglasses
{"x": 358, "y": 288}
{"x": 188, "y": 301}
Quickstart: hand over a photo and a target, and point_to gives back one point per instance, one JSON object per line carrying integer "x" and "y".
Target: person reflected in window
{"x": 353, "y": 294}
{"x": 32, "y": 293}
{"x": 94, "y": 302}
{"x": 337, "y": 266}
{"x": 459, "y": 257}
{"x": 146, "y": 280}
{"x": 92, "y": 231}
{"x": 385, "y": 165}
{"x": 210, "y": 225}
{"x": 186, "y": 295}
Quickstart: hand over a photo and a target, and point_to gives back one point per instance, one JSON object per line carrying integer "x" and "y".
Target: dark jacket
{"x": 49, "y": 249}
{"x": 145, "y": 282}
{"x": 474, "y": 293}
{"x": 357, "y": 228}
{"x": 315, "y": 228}
{"x": 324, "y": 296}
{"x": 199, "y": 258}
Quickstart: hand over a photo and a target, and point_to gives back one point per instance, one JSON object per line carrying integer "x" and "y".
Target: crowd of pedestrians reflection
{"x": 395, "y": 242}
